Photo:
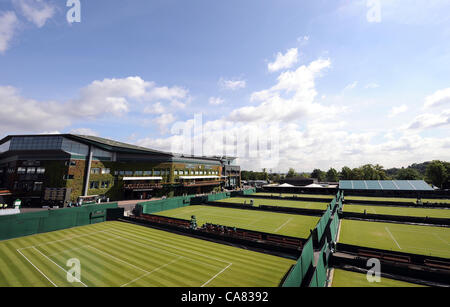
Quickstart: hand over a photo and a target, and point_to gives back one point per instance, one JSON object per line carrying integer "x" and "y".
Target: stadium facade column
{"x": 88, "y": 171}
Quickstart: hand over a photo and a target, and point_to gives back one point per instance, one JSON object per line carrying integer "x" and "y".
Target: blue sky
{"x": 341, "y": 88}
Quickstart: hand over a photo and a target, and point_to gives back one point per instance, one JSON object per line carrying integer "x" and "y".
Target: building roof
{"x": 386, "y": 185}
{"x": 111, "y": 145}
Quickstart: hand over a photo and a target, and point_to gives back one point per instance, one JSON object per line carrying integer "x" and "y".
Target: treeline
{"x": 435, "y": 172}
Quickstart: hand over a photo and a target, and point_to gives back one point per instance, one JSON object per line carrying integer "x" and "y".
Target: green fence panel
{"x": 298, "y": 272}
{"x": 23, "y": 224}
{"x": 249, "y": 191}
{"x": 155, "y": 206}
{"x": 322, "y": 224}
{"x": 307, "y": 256}
{"x": 295, "y": 277}
{"x": 313, "y": 283}
{"x": 218, "y": 196}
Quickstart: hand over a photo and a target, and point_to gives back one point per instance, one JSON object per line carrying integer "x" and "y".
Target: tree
{"x": 332, "y": 175}
{"x": 265, "y": 174}
{"x": 291, "y": 173}
{"x": 318, "y": 174}
{"x": 346, "y": 173}
{"x": 436, "y": 173}
{"x": 408, "y": 174}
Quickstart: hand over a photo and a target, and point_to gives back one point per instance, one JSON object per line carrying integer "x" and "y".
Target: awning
{"x": 199, "y": 177}
{"x": 5, "y": 192}
{"x": 141, "y": 178}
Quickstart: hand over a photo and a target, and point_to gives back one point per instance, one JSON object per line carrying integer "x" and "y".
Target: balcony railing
{"x": 138, "y": 186}
{"x": 198, "y": 183}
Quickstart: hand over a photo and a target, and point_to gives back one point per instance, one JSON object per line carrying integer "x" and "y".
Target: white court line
{"x": 439, "y": 237}
{"x": 216, "y": 275}
{"x": 283, "y": 224}
{"x": 148, "y": 273}
{"x": 166, "y": 251}
{"x": 387, "y": 229}
{"x": 59, "y": 266}
{"x": 36, "y": 268}
{"x": 171, "y": 246}
{"x": 251, "y": 223}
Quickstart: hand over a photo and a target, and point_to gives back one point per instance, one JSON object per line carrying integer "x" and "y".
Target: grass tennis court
{"x": 121, "y": 254}
{"x": 424, "y": 240}
{"x": 284, "y": 224}
{"x": 399, "y": 199}
{"x": 344, "y": 278}
{"x": 401, "y": 211}
{"x": 327, "y": 196}
{"x": 276, "y": 202}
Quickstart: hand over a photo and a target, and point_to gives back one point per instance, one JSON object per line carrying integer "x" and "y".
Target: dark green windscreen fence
{"x": 218, "y": 196}
{"x": 24, "y": 224}
{"x": 328, "y": 223}
{"x": 155, "y": 206}
{"x": 299, "y": 270}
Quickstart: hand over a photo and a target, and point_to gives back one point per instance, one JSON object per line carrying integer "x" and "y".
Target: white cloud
{"x": 397, "y": 110}
{"x": 439, "y": 98}
{"x": 233, "y": 84}
{"x": 303, "y": 39}
{"x": 156, "y": 108}
{"x": 291, "y": 98}
{"x": 372, "y": 85}
{"x": 308, "y": 131}
{"x": 84, "y": 131}
{"x": 351, "y": 86}
{"x": 8, "y": 25}
{"x": 284, "y": 61}
{"x": 164, "y": 121}
{"x": 431, "y": 120}
{"x": 20, "y": 114}
{"x": 99, "y": 99}
{"x": 36, "y": 11}
{"x": 216, "y": 100}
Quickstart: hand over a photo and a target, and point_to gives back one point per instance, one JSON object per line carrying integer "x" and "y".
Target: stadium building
{"x": 38, "y": 167}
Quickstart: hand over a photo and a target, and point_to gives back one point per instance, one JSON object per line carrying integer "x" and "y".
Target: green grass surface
{"x": 330, "y": 197}
{"x": 343, "y": 278}
{"x": 284, "y": 224}
{"x": 121, "y": 254}
{"x": 416, "y": 239}
{"x": 402, "y": 211}
{"x": 399, "y": 199}
{"x": 277, "y": 202}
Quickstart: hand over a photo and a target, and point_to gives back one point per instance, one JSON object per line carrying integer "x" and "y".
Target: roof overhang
{"x": 199, "y": 177}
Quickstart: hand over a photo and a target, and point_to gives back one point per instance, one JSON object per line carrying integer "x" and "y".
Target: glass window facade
{"x": 74, "y": 148}
{"x": 98, "y": 153}
{"x": 5, "y": 146}
{"x": 52, "y": 142}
